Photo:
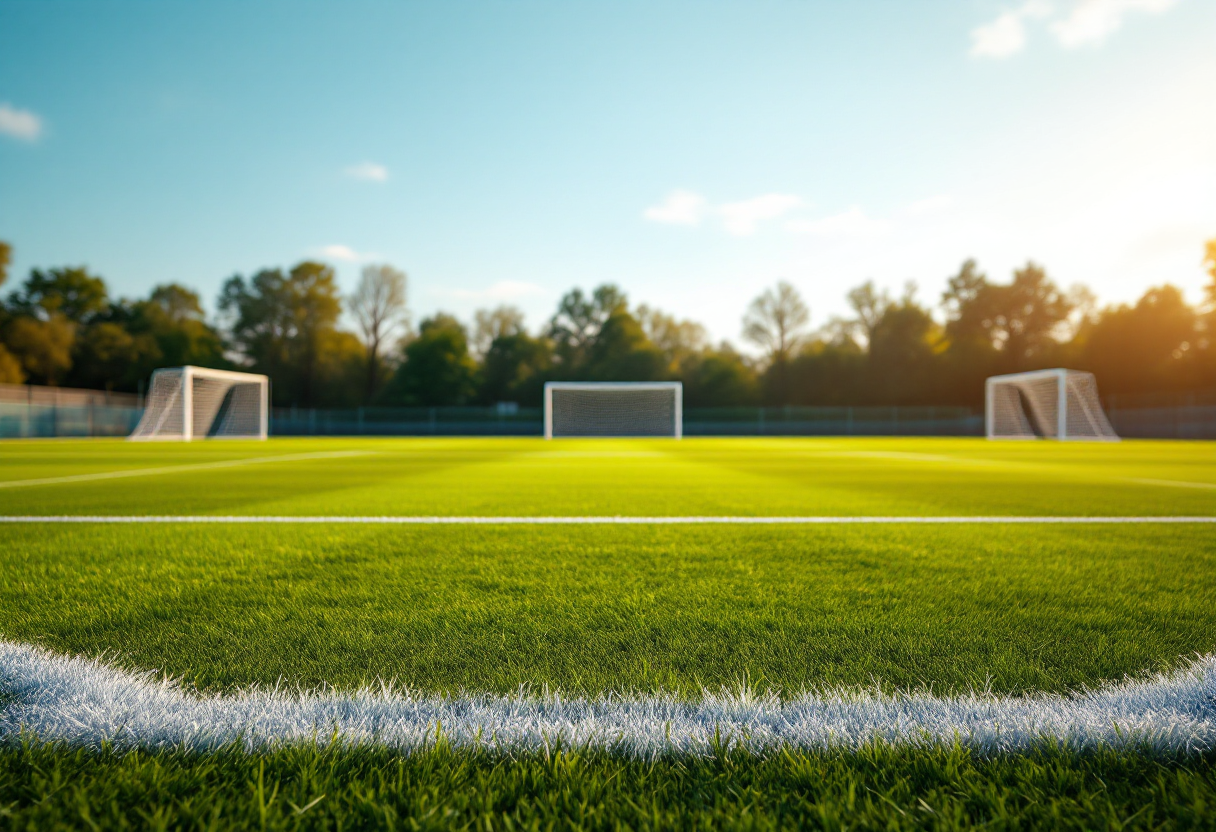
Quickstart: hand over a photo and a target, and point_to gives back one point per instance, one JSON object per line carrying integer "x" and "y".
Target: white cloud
{"x": 742, "y": 218}
{"x": 850, "y": 224}
{"x": 1001, "y": 38}
{"x": 502, "y": 291}
{"x": 368, "y": 172}
{"x": 1006, "y": 35}
{"x": 679, "y": 208}
{"x": 1092, "y": 21}
{"x": 1087, "y": 22}
{"x": 344, "y": 253}
{"x": 20, "y": 124}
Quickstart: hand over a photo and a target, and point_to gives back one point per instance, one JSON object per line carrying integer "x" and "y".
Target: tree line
{"x": 61, "y": 327}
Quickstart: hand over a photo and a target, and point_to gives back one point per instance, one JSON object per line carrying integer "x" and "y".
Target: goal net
{"x": 1049, "y": 404}
{"x": 187, "y": 403}
{"x": 622, "y": 408}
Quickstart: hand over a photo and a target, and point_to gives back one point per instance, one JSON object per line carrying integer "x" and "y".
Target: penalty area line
{"x": 591, "y": 520}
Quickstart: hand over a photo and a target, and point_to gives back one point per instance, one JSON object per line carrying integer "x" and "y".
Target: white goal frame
{"x": 170, "y": 407}
{"x": 676, "y": 387}
{"x": 1077, "y": 416}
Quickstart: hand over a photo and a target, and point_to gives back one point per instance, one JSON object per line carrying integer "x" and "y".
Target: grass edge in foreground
{"x": 878, "y": 786}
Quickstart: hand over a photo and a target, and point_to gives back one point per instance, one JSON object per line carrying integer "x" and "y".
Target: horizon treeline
{"x": 61, "y": 327}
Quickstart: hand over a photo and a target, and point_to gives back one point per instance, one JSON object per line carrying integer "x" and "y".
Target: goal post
{"x": 186, "y": 403}
{"x": 614, "y": 408}
{"x": 1048, "y": 404}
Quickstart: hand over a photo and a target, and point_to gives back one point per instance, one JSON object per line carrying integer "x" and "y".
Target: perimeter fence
{"x": 28, "y": 411}
{"x": 698, "y": 421}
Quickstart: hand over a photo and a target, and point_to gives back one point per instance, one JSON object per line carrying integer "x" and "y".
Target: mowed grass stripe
{"x": 585, "y": 521}
{"x": 591, "y": 608}
{"x": 179, "y": 469}
{"x": 792, "y": 477}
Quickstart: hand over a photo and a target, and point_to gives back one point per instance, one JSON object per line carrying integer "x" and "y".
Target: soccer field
{"x": 455, "y": 568}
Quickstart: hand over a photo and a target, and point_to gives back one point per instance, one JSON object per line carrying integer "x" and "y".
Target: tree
{"x": 514, "y": 369}
{"x": 577, "y": 322}
{"x": 970, "y": 355}
{"x": 962, "y": 302}
{"x": 10, "y": 367}
{"x": 1026, "y": 314}
{"x": 719, "y": 378}
{"x": 1209, "y": 260}
{"x": 904, "y": 344}
{"x": 993, "y": 328}
{"x": 175, "y": 303}
{"x": 378, "y": 304}
{"x": 1084, "y": 310}
{"x": 340, "y": 371}
{"x": 173, "y": 316}
{"x": 44, "y": 347}
{"x": 71, "y": 293}
{"x": 831, "y": 373}
{"x": 1206, "y": 343}
{"x": 622, "y": 352}
{"x": 775, "y": 322}
{"x": 280, "y": 321}
{"x": 869, "y": 304}
{"x": 436, "y": 369}
{"x": 168, "y": 329}
{"x": 491, "y": 324}
{"x": 1146, "y": 347}
{"x": 107, "y": 355}
{"x": 678, "y": 340}
{"x": 46, "y": 313}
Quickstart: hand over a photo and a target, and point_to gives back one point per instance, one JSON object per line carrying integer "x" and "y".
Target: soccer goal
{"x": 614, "y": 408}
{"x": 187, "y": 403}
{"x": 1049, "y": 404}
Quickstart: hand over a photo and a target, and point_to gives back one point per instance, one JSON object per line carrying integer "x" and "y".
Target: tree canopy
{"x": 60, "y": 326}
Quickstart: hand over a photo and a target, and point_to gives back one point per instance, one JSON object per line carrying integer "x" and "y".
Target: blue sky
{"x": 693, "y": 153}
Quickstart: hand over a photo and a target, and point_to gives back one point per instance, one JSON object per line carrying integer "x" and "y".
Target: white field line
{"x": 1172, "y": 483}
{"x": 998, "y": 463}
{"x": 579, "y": 521}
{"x": 174, "y": 469}
{"x": 84, "y": 702}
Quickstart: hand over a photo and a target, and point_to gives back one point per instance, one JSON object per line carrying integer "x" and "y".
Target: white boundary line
{"x": 174, "y": 469}
{"x": 86, "y": 703}
{"x": 1171, "y": 483}
{"x": 588, "y": 521}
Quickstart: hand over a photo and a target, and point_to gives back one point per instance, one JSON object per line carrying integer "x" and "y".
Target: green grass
{"x": 596, "y": 608}
{"x": 45, "y": 789}
{"x": 569, "y": 477}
